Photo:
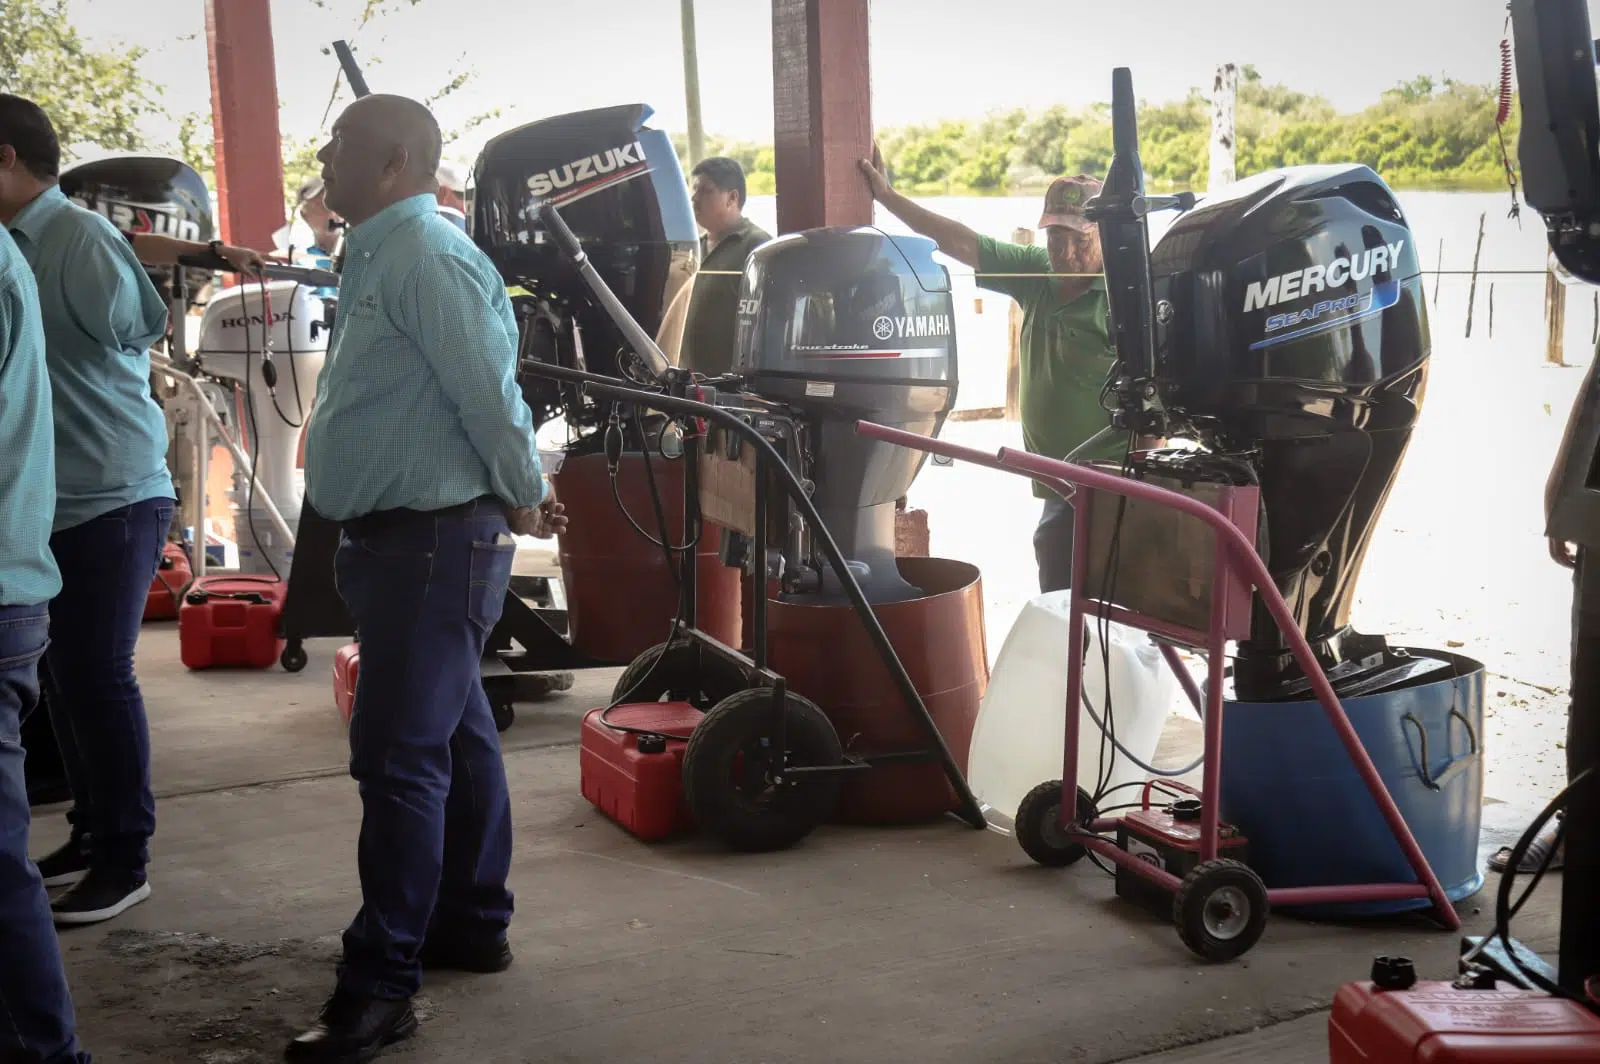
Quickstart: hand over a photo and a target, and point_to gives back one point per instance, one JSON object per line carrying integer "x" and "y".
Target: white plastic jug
{"x": 1017, "y": 741}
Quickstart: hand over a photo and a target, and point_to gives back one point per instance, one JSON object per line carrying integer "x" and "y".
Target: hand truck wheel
{"x": 1221, "y": 910}
{"x": 683, "y": 669}
{"x": 734, "y": 780}
{"x": 293, "y": 658}
{"x": 505, "y": 714}
{"x": 1038, "y": 826}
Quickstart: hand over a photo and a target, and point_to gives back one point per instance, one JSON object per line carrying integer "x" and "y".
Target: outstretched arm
{"x": 953, "y": 238}
{"x": 153, "y": 250}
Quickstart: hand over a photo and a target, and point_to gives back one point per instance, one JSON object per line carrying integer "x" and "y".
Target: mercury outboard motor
{"x": 1292, "y": 316}
{"x": 620, "y": 189}
{"x": 1282, "y": 324}
{"x": 841, "y": 325}
{"x": 148, "y": 194}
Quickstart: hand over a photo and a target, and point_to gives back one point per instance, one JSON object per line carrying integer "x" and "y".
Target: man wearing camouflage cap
{"x": 1066, "y": 350}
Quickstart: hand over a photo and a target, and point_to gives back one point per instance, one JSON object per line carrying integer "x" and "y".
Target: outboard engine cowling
{"x": 148, "y": 194}
{"x": 620, "y": 189}
{"x": 842, "y": 325}
{"x": 1292, "y": 328}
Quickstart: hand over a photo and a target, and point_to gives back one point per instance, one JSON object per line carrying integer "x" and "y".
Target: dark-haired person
{"x": 708, "y": 331}
{"x": 114, "y": 503}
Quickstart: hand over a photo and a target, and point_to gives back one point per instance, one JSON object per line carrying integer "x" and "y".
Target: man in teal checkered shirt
{"x": 421, "y": 447}
{"x": 36, "y": 1015}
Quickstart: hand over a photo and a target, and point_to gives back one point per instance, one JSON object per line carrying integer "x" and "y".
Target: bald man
{"x": 421, "y": 447}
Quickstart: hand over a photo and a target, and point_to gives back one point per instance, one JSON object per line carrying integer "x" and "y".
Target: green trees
{"x": 1423, "y": 133}
{"x": 92, "y": 97}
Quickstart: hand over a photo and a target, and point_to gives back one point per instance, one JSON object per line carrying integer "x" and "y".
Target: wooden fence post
{"x": 1472, "y": 292}
{"x": 1014, "y": 345}
{"x": 1555, "y": 317}
{"x": 1224, "y": 142}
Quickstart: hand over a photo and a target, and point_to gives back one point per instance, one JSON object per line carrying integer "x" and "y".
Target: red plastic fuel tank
{"x": 346, "y": 667}
{"x": 606, "y": 562}
{"x": 632, "y": 771}
{"x": 1434, "y": 1023}
{"x": 231, "y": 622}
{"x": 825, "y": 654}
{"x": 166, "y": 590}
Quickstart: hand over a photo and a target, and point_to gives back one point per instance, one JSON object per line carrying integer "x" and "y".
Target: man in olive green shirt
{"x": 708, "y": 329}
{"x": 1066, "y": 350}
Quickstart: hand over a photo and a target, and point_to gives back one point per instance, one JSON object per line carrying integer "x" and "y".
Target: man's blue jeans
{"x": 1052, "y": 545}
{"x": 36, "y": 1019}
{"x": 96, "y": 707}
{"x": 425, "y": 590}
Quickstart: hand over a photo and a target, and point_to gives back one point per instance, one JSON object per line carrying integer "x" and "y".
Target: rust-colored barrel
{"x": 621, "y": 597}
{"x": 825, "y": 654}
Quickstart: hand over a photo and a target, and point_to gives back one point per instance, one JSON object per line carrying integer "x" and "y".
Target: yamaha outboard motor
{"x": 148, "y": 194}
{"x": 1288, "y": 333}
{"x": 842, "y": 325}
{"x": 618, "y": 186}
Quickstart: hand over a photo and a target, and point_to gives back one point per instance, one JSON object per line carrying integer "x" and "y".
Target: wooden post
{"x": 1439, "y": 273}
{"x": 244, "y": 121}
{"x": 822, "y": 113}
{"x": 1491, "y": 310}
{"x": 1014, "y": 345}
{"x": 691, "y": 86}
{"x": 1224, "y": 143}
{"x": 1472, "y": 292}
{"x": 1555, "y": 317}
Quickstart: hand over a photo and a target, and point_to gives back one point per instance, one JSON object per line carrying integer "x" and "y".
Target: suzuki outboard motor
{"x": 842, "y": 325}
{"x": 619, "y": 188}
{"x": 148, "y": 194}
{"x": 1281, "y": 325}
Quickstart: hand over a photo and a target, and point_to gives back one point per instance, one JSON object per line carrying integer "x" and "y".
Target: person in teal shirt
{"x": 420, "y": 445}
{"x": 36, "y": 1015}
{"x": 113, "y": 511}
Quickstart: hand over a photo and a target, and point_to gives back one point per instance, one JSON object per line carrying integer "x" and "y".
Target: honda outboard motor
{"x": 148, "y": 194}
{"x": 618, "y": 186}
{"x": 1281, "y": 324}
{"x": 842, "y": 325}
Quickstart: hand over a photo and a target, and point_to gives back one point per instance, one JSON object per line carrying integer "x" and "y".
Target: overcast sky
{"x": 930, "y": 58}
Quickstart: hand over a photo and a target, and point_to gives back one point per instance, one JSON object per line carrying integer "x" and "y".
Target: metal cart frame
{"x": 1239, "y": 570}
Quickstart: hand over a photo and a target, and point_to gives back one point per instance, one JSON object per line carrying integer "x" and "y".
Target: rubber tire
{"x": 293, "y": 658}
{"x": 1035, "y": 826}
{"x": 1189, "y": 909}
{"x": 721, "y": 809}
{"x": 686, "y": 667}
{"x": 505, "y": 714}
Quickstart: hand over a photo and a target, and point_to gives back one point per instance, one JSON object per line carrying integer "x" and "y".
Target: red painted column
{"x": 822, "y": 112}
{"x": 244, "y": 117}
{"x": 822, "y": 127}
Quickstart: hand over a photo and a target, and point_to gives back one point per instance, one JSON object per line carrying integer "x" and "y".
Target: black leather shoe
{"x": 481, "y": 956}
{"x": 353, "y": 1030}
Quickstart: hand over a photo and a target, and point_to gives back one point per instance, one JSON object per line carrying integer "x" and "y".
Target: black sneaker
{"x": 352, "y": 1030}
{"x": 99, "y": 896}
{"x": 480, "y": 956}
{"x": 64, "y": 866}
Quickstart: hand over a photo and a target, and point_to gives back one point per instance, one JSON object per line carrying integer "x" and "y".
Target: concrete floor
{"x": 929, "y": 944}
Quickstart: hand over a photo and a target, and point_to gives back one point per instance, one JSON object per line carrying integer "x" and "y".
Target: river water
{"x": 1447, "y": 218}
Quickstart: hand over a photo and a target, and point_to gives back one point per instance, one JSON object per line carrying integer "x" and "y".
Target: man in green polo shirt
{"x": 708, "y": 331}
{"x": 1066, "y": 351}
